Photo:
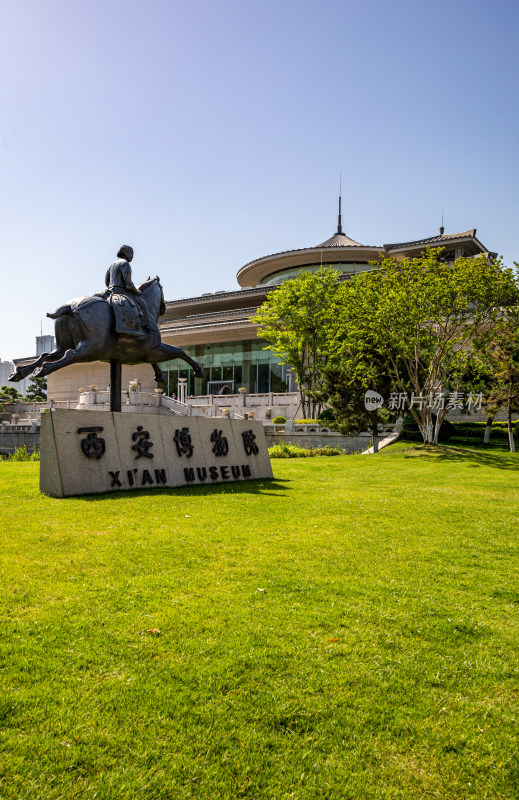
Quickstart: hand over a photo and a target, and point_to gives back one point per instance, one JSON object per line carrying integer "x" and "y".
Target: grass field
{"x": 348, "y": 630}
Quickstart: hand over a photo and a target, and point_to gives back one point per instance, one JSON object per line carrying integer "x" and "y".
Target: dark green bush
{"x": 411, "y": 431}
{"x": 478, "y": 426}
{"x": 410, "y": 424}
{"x": 476, "y": 430}
{"x": 411, "y": 436}
{"x": 446, "y": 431}
{"x": 326, "y": 415}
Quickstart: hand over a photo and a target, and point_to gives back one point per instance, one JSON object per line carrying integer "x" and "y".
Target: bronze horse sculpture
{"x": 85, "y": 330}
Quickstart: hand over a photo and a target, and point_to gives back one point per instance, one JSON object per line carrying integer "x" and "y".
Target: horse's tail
{"x": 61, "y": 311}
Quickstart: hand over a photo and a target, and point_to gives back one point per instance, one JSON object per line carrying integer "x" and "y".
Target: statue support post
{"x": 116, "y": 372}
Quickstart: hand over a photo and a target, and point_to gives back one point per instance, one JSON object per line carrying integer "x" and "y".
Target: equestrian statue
{"x": 118, "y": 325}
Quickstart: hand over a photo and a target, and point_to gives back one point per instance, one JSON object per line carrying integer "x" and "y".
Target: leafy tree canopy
{"x": 499, "y": 359}
{"x": 37, "y": 390}
{"x": 9, "y": 394}
{"x": 298, "y": 319}
{"x": 423, "y": 317}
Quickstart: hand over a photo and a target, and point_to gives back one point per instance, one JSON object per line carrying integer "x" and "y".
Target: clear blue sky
{"x": 207, "y": 134}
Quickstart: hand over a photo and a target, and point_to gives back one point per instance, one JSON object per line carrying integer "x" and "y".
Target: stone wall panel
{"x": 86, "y": 452}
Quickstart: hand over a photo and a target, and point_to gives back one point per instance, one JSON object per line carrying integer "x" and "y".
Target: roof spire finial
{"x": 339, "y": 221}
{"x": 442, "y": 229}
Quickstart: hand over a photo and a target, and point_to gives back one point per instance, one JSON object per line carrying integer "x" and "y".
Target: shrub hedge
{"x": 475, "y": 430}
{"x": 22, "y": 454}
{"x": 326, "y": 415}
{"x": 293, "y": 451}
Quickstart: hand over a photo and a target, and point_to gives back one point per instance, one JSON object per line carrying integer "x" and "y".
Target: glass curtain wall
{"x": 349, "y": 268}
{"x": 240, "y": 363}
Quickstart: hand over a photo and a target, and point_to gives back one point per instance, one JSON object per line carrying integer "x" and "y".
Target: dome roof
{"x": 340, "y": 240}
{"x": 340, "y": 249}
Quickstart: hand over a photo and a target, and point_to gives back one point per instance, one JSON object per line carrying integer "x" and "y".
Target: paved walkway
{"x": 383, "y": 442}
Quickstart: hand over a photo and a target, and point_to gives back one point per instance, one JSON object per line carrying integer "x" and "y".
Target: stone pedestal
{"x": 89, "y": 452}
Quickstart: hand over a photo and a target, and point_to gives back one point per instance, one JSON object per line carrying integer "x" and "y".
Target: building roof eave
{"x": 256, "y": 271}
{"x": 216, "y": 296}
{"x": 435, "y": 241}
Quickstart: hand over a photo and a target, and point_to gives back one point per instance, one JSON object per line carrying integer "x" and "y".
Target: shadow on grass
{"x": 261, "y": 486}
{"x": 496, "y": 445}
{"x": 477, "y": 456}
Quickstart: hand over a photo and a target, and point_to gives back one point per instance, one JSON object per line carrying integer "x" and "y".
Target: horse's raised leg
{"x": 165, "y": 352}
{"x": 21, "y": 372}
{"x": 159, "y": 376}
{"x": 83, "y": 352}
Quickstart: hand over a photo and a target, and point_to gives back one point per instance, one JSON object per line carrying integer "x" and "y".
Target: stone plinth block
{"x": 88, "y": 452}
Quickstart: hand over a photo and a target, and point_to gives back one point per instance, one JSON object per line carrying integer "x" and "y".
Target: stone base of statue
{"x": 89, "y": 452}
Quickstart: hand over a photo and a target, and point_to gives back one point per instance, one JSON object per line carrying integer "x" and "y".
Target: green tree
{"x": 424, "y": 316}
{"x": 479, "y": 380}
{"x": 298, "y": 319}
{"x": 37, "y": 390}
{"x": 344, "y": 387}
{"x": 9, "y": 394}
{"x": 501, "y": 357}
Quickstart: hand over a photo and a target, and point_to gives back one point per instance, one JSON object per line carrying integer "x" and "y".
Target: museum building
{"x": 214, "y": 328}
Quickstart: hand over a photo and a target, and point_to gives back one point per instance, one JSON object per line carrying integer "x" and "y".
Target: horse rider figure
{"x": 131, "y": 312}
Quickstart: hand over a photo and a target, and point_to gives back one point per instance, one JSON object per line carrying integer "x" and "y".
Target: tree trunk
{"x": 488, "y": 430}
{"x": 303, "y": 404}
{"x": 427, "y": 433}
{"x": 374, "y": 432}
{"x": 510, "y": 429}
{"x": 437, "y": 427}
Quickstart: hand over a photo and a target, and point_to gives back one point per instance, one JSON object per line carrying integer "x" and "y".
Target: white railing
{"x": 308, "y": 427}
{"x": 263, "y": 406}
{"x": 175, "y": 406}
{"x": 26, "y": 427}
{"x": 67, "y": 404}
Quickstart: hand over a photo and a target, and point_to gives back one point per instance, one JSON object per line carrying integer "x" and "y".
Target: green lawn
{"x": 348, "y": 630}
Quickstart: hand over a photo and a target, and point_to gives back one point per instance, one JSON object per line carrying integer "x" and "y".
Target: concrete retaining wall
{"x": 9, "y": 441}
{"x": 350, "y": 444}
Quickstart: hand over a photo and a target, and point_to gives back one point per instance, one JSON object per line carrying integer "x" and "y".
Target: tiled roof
{"x": 439, "y": 239}
{"x": 237, "y": 323}
{"x": 334, "y": 241}
{"x": 341, "y": 240}
{"x": 244, "y": 312}
{"x": 218, "y": 295}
